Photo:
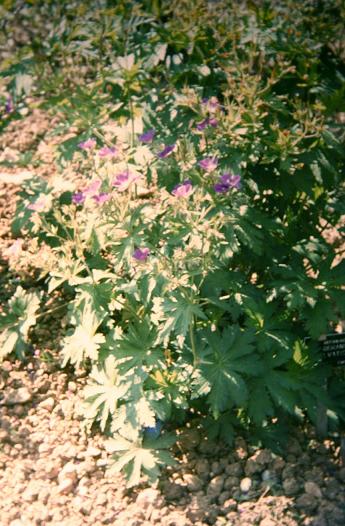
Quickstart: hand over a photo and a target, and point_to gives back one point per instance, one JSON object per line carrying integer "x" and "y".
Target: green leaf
{"x": 84, "y": 342}
{"x": 260, "y": 404}
{"x": 97, "y": 296}
{"x": 319, "y": 317}
{"x": 137, "y": 347}
{"x": 137, "y": 458}
{"x": 222, "y": 428}
{"x": 15, "y": 326}
{"x": 281, "y": 386}
{"x": 180, "y": 313}
{"x": 105, "y": 389}
{"x": 222, "y": 362}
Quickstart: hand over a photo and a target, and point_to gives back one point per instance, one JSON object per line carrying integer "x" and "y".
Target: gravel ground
{"x": 51, "y": 472}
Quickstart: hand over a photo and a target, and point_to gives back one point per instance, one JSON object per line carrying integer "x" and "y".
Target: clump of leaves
{"x": 16, "y": 322}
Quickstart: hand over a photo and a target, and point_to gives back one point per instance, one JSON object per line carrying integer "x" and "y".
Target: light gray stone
{"x": 22, "y": 395}
{"x": 92, "y": 452}
{"x": 246, "y": 484}
{"x": 149, "y": 497}
{"x": 47, "y": 404}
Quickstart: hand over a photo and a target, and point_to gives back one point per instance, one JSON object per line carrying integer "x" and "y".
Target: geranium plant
{"x": 192, "y": 244}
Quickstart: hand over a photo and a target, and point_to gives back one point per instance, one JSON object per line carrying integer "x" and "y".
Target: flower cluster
{"x": 92, "y": 190}
{"x": 124, "y": 179}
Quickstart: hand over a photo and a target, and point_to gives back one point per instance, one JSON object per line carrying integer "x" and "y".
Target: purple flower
{"x": 9, "y": 105}
{"x": 123, "y": 180}
{"x": 183, "y": 190}
{"x": 221, "y": 188}
{"x": 141, "y": 254}
{"x": 87, "y": 145}
{"x": 213, "y": 122}
{"x": 155, "y": 431}
{"x": 78, "y": 198}
{"x": 147, "y": 136}
{"x": 107, "y": 152}
{"x": 202, "y": 125}
{"x": 166, "y": 151}
{"x": 209, "y": 164}
{"x": 233, "y": 181}
{"x": 226, "y": 182}
{"x": 211, "y": 105}
{"x": 101, "y": 198}
{"x": 207, "y": 122}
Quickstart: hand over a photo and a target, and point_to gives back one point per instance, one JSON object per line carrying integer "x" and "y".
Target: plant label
{"x": 333, "y": 348}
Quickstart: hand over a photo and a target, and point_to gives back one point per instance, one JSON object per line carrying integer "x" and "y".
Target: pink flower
{"x": 39, "y": 205}
{"x": 123, "y": 180}
{"x": 107, "y": 152}
{"x": 87, "y": 145}
{"x": 101, "y": 198}
{"x": 183, "y": 190}
{"x": 15, "y": 249}
{"x": 141, "y": 254}
{"x": 209, "y": 164}
{"x": 93, "y": 187}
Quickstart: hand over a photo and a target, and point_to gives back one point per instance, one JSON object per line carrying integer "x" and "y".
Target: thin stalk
{"x": 132, "y": 120}
{"x": 42, "y": 314}
{"x": 192, "y": 341}
{"x": 100, "y": 136}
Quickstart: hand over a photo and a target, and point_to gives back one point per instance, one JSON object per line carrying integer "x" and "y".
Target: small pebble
{"x": 246, "y": 484}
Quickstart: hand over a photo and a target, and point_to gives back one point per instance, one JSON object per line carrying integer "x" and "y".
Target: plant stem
{"x": 132, "y": 120}
{"x": 192, "y": 341}
{"x": 100, "y": 136}
{"x": 42, "y": 314}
